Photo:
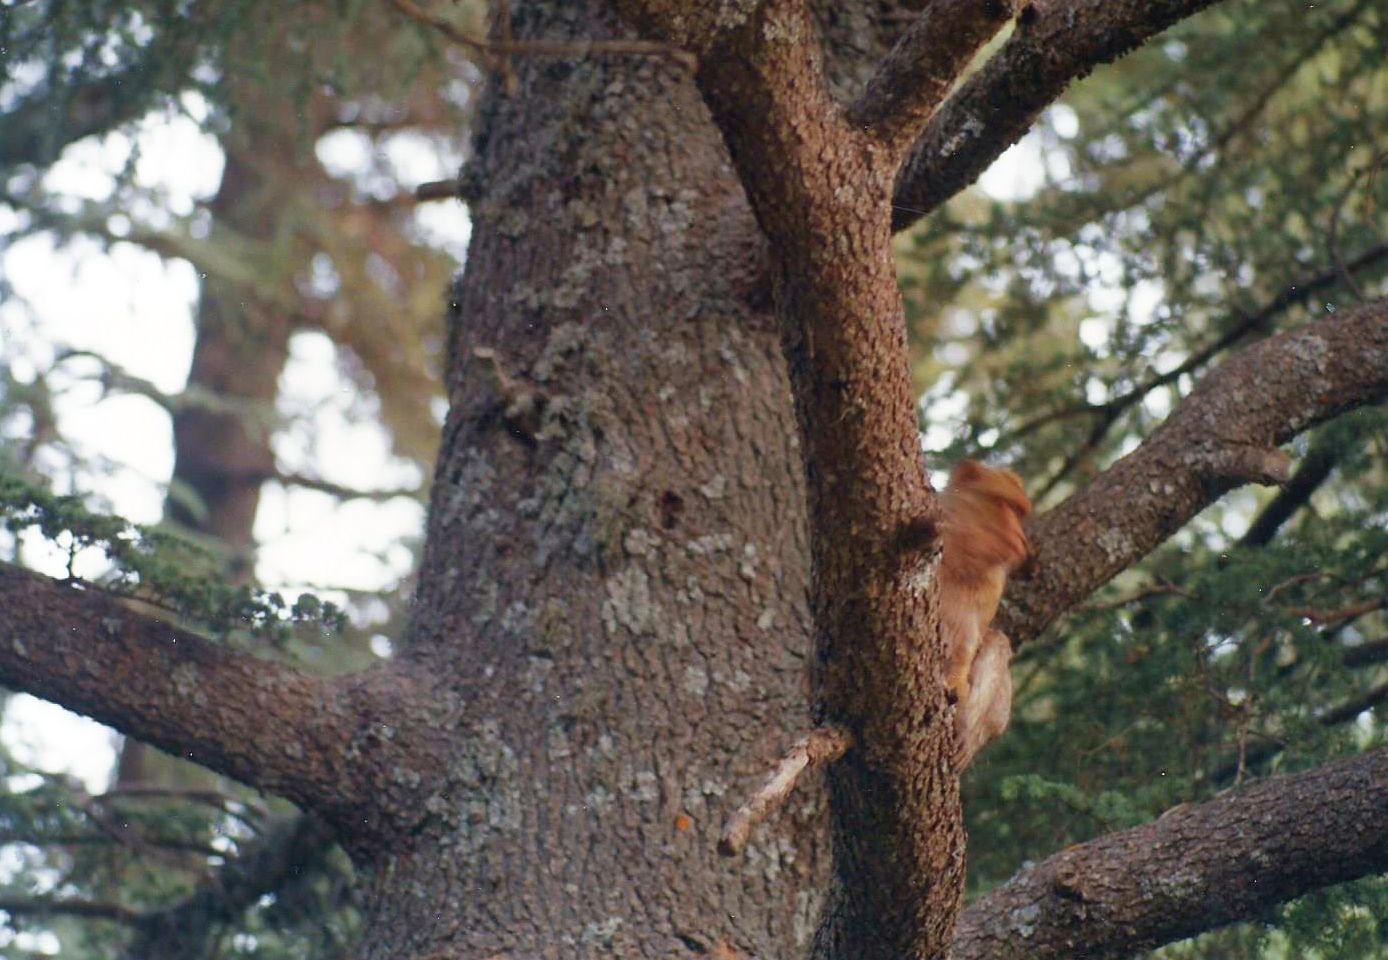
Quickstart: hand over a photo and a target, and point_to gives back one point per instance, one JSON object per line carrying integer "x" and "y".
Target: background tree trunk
{"x": 614, "y": 587}
{"x": 222, "y": 456}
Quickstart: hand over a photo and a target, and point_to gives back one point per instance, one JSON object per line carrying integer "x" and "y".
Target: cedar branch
{"x": 1244, "y": 326}
{"x": 1340, "y": 713}
{"x": 260, "y": 722}
{"x": 1197, "y": 867}
{"x": 820, "y": 188}
{"x": 1260, "y": 398}
{"x": 1056, "y": 43}
{"x": 914, "y": 78}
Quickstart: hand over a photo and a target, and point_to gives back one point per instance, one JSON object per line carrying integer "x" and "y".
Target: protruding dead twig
{"x": 521, "y": 407}
{"x": 437, "y": 190}
{"x": 816, "y": 749}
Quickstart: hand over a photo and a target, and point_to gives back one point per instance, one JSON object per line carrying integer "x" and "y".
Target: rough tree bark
{"x": 1279, "y": 387}
{"x": 614, "y": 582}
{"x": 612, "y": 640}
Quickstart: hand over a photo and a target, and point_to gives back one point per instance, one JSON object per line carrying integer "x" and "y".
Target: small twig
{"x": 124, "y": 835}
{"x": 1246, "y": 715}
{"x": 106, "y": 840}
{"x": 1158, "y": 588}
{"x": 816, "y": 749}
{"x": 1038, "y": 650}
{"x": 1295, "y": 581}
{"x": 87, "y": 909}
{"x": 1108, "y": 412}
{"x": 1107, "y": 415}
{"x": 1332, "y": 241}
{"x": 437, "y": 190}
{"x": 1342, "y": 712}
{"x": 1330, "y": 617}
{"x": 495, "y": 50}
{"x": 338, "y": 490}
{"x": 124, "y": 838}
{"x": 520, "y": 407}
{"x": 1333, "y": 233}
{"x": 200, "y": 795}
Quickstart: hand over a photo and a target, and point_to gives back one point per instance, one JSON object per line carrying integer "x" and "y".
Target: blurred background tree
{"x": 1169, "y": 210}
{"x": 308, "y": 248}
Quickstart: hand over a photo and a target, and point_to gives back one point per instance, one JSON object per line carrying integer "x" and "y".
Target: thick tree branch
{"x": 260, "y": 722}
{"x": 694, "y": 25}
{"x": 1258, "y": 399}
{"x": 820, "y": 189}
{"x": 1056, "y": 43}
{"x": 791, "y": 143}
{"x": 1196, "y": 868}
{"x": 914, "y": 78}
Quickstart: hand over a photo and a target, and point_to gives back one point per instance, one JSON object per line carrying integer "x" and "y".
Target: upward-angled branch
{"x": 916, "y": 75}
{"x": 821, "y": 189}
{"x": 260, "y": 722}
{"x": 1196, "y": 868}
{"x": 1219, "y": 437}
{"x": 765, "y": 84}
{"x": 1056, "y": 43}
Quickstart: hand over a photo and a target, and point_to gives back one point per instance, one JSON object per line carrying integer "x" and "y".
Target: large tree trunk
{"x": 614, "y": 587}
